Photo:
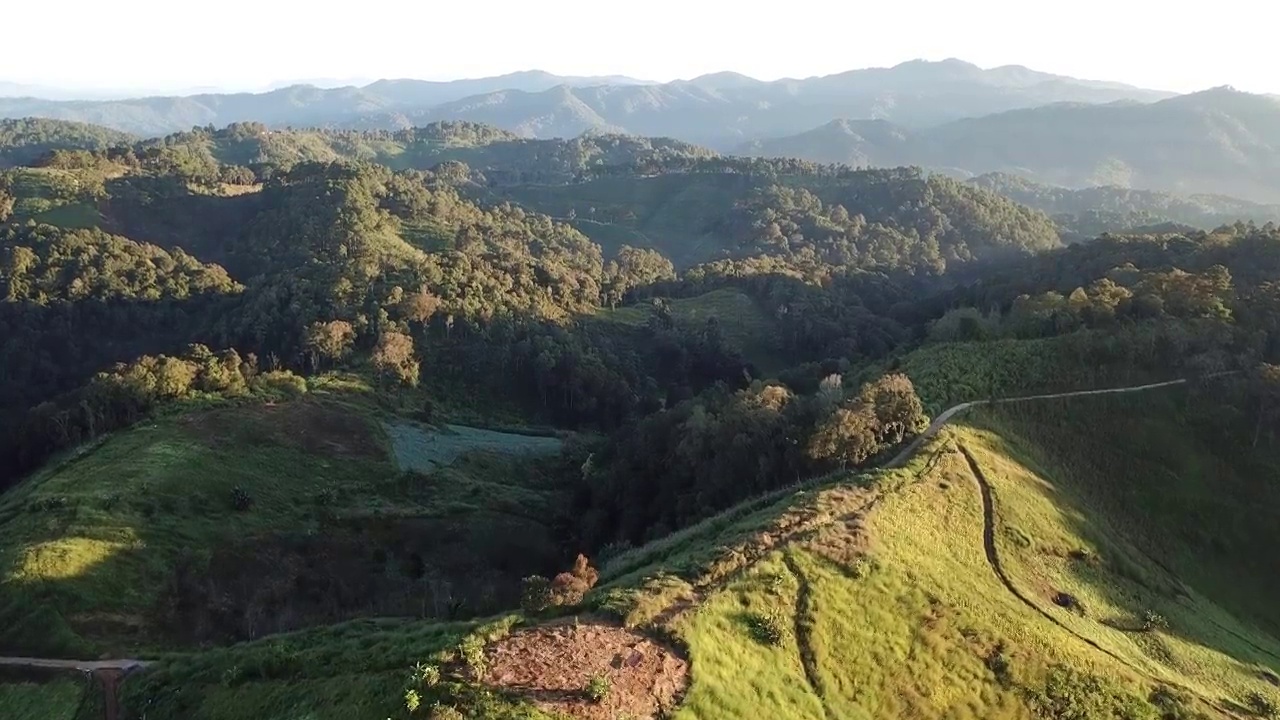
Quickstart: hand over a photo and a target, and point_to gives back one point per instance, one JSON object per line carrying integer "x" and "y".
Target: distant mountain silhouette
{"x": 1218, "y": 141}
{"x": 720, "y": 110}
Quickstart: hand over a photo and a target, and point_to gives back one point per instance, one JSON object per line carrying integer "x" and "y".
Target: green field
{"x": 55, "y": 197}
{"x": 32, "y": 696}
{"x": 203, "y": 526}
{"x": 745, "y": 327}
{"x": 895, "y": 594}
{"x": 674, "y": 214}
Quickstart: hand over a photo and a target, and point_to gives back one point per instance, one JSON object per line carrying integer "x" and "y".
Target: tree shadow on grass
{"x": 1133, "y": 482}
{"x": 148, "y": 546}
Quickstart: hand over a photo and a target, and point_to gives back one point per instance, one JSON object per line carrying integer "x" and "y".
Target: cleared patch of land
{"x": 553, "y": 666}
{"x": 422, "y": 449}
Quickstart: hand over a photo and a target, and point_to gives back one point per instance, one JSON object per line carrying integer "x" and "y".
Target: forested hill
{"x": 317, "y": 420}
{"x": 1227, "y": 145}
{"x": 1088, "y": 212}
{"x": 720, "y": 109}
{"x": 144, "y": 232}
{"x": 22, "y": 141}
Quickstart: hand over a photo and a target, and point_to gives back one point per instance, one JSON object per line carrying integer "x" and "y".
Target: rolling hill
{"x": 451, "y": 423}
{"x": 1003, "y": 571}
{"x": 1085, "y": 213}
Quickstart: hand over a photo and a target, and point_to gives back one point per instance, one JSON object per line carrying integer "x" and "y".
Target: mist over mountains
{"x": 718, "y": 110}
{"x": 949, "y": 116}
{"x": 1217, "y": 141}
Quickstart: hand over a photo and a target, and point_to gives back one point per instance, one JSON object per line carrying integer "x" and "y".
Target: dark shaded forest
{"x": 238, "y": 261}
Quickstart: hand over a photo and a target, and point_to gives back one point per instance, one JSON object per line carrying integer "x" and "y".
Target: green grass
{"x": 1207, "y": 503}
{"x": 95, "y": 538}
{"x": 945, "y": 374}
{"x": 921, "y": 625}
{"x": 59, "y": 698}
{"x": 744, "y": 325}
{"x": 94, "y": 547}
{"x": 55, "y": 197}
{"x": 892, "y": 609}
{"x": 352, "y": 670}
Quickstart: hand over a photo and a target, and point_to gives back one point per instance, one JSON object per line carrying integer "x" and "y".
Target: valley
{"x": 438, "y": 400}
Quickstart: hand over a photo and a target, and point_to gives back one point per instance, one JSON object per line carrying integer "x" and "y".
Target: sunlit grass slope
{"x": 917, "y": 622}
{"x": 1074, "y": 591}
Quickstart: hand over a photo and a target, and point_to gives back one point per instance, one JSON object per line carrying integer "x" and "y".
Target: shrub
{"x": 446, "y": 712}
{"x": 568, "y": 588}
{"x": 597, "y": 688}
{"x": 999, "y": 665}
{"x": 1174, "y": 704}
{"x": 48, "y": 503}
{"x": 1153, "y": 621}
{"x": 425, "y": 675}
{"x": 280, "y": 384}
{"x": 535, "y": 594}
{"x": 241, "y": 500}
{"x": 471, "y": 649}
{"x": 767, "y": 628}
{"x": 327, "y": 496}
{"x": 1262, "y": 706}
{"x": 1069, "y": 694}
{"x": 412, "y": 700}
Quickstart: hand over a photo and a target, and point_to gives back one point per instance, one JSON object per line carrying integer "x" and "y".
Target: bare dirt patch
{"x": 551, "y": 665}
{"x": 305, "y": 425}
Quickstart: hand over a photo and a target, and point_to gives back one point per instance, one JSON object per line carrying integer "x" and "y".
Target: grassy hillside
{"x": 1030, "y": 562}
{"x": 206, "y": 525}
{"x": 44, "y": 695}
{"x": 745, "y": 326}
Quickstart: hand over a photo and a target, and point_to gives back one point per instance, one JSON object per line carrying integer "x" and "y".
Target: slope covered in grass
{"x": 893, "y": 607}
{"x": 1012, "y": 569}
{"x": 743, "y": 324}
{"x": 40, "y": 695}
{"x": 227, "y": 522}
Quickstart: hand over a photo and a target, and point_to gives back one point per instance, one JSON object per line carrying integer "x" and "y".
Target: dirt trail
{"x": 108, "y": 673}
{"x": 804, "y": 641}
{"x": 993, "y": 559}
{"x": 946, "y": 416}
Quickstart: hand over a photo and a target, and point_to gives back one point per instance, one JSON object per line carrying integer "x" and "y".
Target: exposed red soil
{"x": 302, "y": 424}
{"x": 109, "y": 678}
{"x": 550, "y": 665}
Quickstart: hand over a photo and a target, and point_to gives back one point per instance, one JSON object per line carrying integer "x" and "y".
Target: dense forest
{"x": 295, "y": 251}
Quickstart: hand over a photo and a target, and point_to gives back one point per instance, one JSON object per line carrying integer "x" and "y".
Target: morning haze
{"x": 645, "y": 361}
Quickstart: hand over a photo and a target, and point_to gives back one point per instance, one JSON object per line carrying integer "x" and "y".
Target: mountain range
{"x": 948, "y": 116}
{"x": 719, "y": 110}
{"x": 1219, "y": 141}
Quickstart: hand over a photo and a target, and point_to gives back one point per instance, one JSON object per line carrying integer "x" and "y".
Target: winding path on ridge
{"x": 110, "y": 671}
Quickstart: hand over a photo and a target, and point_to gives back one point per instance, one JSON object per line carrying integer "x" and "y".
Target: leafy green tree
{"x": 6, "y": 205}
{"x": 330, "y": 341}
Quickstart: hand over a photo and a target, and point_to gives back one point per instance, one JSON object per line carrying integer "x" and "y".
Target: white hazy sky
{"x": 1180, "y": 45}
